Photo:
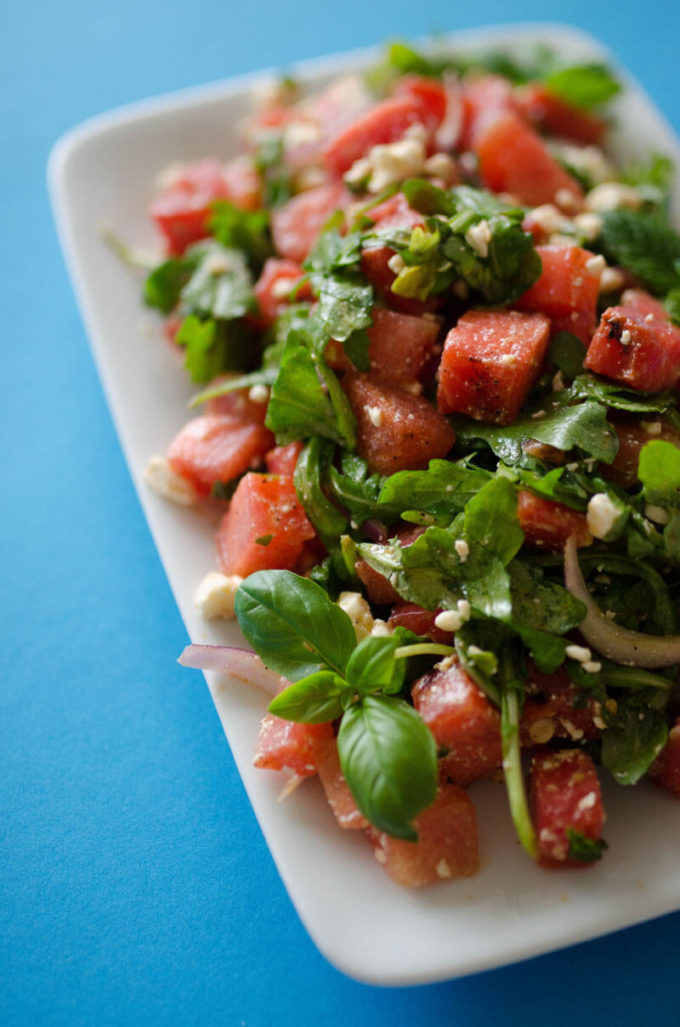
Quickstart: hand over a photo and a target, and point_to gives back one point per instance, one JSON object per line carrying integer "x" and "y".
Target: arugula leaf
{"x": 618, "y": 397}
{"x": 584, "y": 85}
{"x": 223, "y": 388}
{"x": 490, "y": 521}
{"x": 499, "y": 270}
{"x": 672, "y": 305}
{"x": 389, "y": 760}
{"x": 244, "y": 230}
{"x": 277, "y": 186}
{"x": 512, "y": 674}
{"x": 212, "y": 347}
{"x": 659, "y": 472}
{"x": 584, "y": 425}
{"x": 583, "y": 849}
{"x": 442, "y": 490}
{"x": 540, "y": 603}
{"x": 566, "y": 352}
{"x": 221, "y": 285}
{"x": 359, "y": 492}
{"x": 310, "y": 471}
{"x": 635, "y": 735}
{"x": 163, "y": 287}
{"x": 645, "y": 244}
{"x": 298, "y": 407}
{"x": 293, "y": 625}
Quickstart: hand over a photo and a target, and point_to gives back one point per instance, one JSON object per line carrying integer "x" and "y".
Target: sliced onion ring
{"x": 239, "y": 663}
{"x": 631, "y": 648}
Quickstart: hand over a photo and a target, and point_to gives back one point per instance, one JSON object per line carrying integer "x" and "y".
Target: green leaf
{"x": 645, "y": 244}
{"x": 442, "y": 490}
{"x": 659, "y": 472}
{"x": 388, "y": 758}
{"x": 315, "y": 699}
{"x": 490, "y": 521}
{"x": 221, "y": 285}
{"x": 345, "y": 304}
{"x": 293, "y": 625}
{"x": 634, "y": 736}
{"x": 270, "y": 162}
{"x": 584, "y": 85}
{"x": 618, "y": 397}
{"x": 583, "y": 425}
{"x": 244, "y": 230}
{"x": 212, "y": 347}
{"x": 298, "y": 407}
{"x": 583, "y": 849}
{"x": 373, "y": 668}
{"x": 310, "y": 470}
{"x": 566, "y": 352}
{"x": 358, "y": 492}
{"x": 164, "y": 285}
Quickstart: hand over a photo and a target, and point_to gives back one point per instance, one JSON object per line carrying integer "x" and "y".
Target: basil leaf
{"x": 315, "y": 699}
{"x": 293, "y": 625}
{"x": 659, "y": 472}
{"x": 389, "y": 759}
{"x": 584, "y": 85}
{"x": 373, "y": 668}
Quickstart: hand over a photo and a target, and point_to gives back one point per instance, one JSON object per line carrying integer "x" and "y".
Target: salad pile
{"x": 435, "y": 337}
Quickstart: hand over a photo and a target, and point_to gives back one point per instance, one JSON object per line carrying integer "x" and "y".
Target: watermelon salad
{"x": 435, "y": 335}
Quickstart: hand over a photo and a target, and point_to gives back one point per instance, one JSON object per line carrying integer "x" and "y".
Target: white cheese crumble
{"x": 595, "y": 265}
{"x": 162, "y": 480}
{"x": 602, "y": 515}
{"x": 448, "y": 620}
{"x": 390, "y": 163}
{"x": 358, "y": 611}
{"x": 462, "y": 548}
{"x": 443, "y": 869}
{"x": 611, "y": 280}
{"x": 281, "y": 288}
{"x": 592, "y": 666}
{"x": 625, "y": 337}
{"x": 396, "y": 263}
{"x": 441, "y": 165}
{"x": 589, "y": 224}
{"x": 479, "y": 236}
{"x": 588, "y": 801}
{"x": 258, "y": 393}
{"x": 652, "y": 427}
{"x": 215, "y": 595}
{"x": 612, "y": 196}
{"x": 374, "y": 415}
{"x": 580, "y": 653}
{"x": 548, "y": 218}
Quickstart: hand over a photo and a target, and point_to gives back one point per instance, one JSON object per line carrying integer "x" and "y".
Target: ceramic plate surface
{"x": 102, "y": 173}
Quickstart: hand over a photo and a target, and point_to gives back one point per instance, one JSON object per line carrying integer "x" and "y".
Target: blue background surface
{"x": 135, "y": 885}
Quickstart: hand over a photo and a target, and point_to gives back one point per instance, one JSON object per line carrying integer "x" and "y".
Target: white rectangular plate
{"x": 102, "y": 173}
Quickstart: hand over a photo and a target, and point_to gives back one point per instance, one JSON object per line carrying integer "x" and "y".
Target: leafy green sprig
{"x": 387, "y": 754}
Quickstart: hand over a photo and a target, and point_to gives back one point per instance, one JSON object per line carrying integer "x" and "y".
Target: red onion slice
{"x": 631, "y": 648}
{"x": 240, "y": 663}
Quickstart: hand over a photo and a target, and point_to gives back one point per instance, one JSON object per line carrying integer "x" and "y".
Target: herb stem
{"x": 423, "y": 649}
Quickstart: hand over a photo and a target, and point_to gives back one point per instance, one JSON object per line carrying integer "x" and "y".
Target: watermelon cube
{"x": 447, "y": 845}
{"x": 491, "y": 359}
{"x": 565, "y": 797}
{"x": 396, "y": 431}
{"x": 635, "y": 349}
{"x": 465, "y": 725}
{"x": 265, "y": 527}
